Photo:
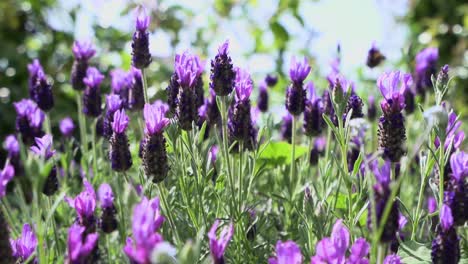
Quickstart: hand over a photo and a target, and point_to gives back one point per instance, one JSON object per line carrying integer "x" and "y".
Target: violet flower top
{"x": 66, "y": 126}
{"x": 5, "y": 176}
{"x": 446, "y": 218}
{"x": 106, "y": 196}
{"x": 286, "y": 253}
{"x": 454, "y": 136}
{"x": 120, "y": 123}
{"x": 431, "y": 205}
{"x": 425, "y": 58}
{"x": 25, "y": 245}
{"x": 335, "y": 71}
{"x": 299, "y": 70}
{"x": 459, "y": 165}
{"x": 392, "y": 85}
{"x": 382, "y": 174}
{"x": 25, "y": 107}
{"x": 218, "y": 244}
{"x": 85, "y": 202}
{"x": 392, "y": 259}
{"x": 83, "y": 50}
{"x": 119, "y": 80}
{"x": 142, "y": 20}
{"x": 44, "y": 147}
{"x": 213, "y": 154}
{"x": 36, "y": 118}
{"x": 93, "y": 77}
{"x": 187, "y": 67}
{"x": 11, "y": 145}
{"x": 162, "y": 106}
{"x": 34, "y": 68}
{"x": 243, "y": 84}
{"x": 223, "y": 49}
{"x": 80, "y": 245}
{"x": 113, "y": 102}
{"x": 155, "y": 120}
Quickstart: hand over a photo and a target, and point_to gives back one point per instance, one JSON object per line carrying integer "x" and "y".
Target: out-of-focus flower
{"x": 83, "y": 51}
{"x": 81, "y": 245}
{"x": 5, "y": 177}
{"x": 446, "y": 244}
{"x": 119, "y": 152}
{"x": 426, "y": 66}
{"x": 67, "y": 126}
{"x": 218, "y": 244}
{"x": 374, "y": 57}
{"x": 286, "y": 253}
{"x": 295, "y": 93}
{"x": 25, "y": 245}
{"x": 141, "y": 56}
{"x": 106, "y": 199}
{"x": 222, "y": 72}
{"x": 92, "y": 93}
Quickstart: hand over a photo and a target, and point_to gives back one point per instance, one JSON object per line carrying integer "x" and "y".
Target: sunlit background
{"x": 264, "y": 34}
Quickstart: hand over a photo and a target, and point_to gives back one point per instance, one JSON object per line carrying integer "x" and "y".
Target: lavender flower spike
{"x": 222, "y": 74}
{"x": 120, "y": 84}
{"x": 392, "y": 259}
{"x": 41, "y": 92}
{"x": 446, "y": 244}
{"x": 119, "y": 153}
{"x": 66, "y": 127}
{"x": 287, "y": 253}
{"x": 92, "y": 94}
{"x": 80, "y": 245}
{"x": 374, "y": 57}
{"x": 5, "y": 177}
{"x": 25, "y": 245}
{"x": 34, "y": 68}
{"x": 141, "y": 57}
{"x": 392, "y": 85}
{"x": 219, "y": 244}
{"x": 295, "y": 93}
{"x": 83, "y": 51}
{"x": 262, "y": 102}
{"x": 313, "y": 121}
{"x": 85, "y": 205}
{"x": 11, "y": 145}
{"x": 136, "y": 99}
{"x": 108, "y": 217}
{"x": 153, "y": 145}
{"x": 426, "y": 66}
{"x": 44, "y": 147}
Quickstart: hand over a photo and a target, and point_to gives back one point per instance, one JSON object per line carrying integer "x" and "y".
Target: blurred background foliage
{"x": 45, "y": 29}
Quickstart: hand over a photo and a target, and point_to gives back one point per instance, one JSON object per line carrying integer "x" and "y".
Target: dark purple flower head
{"x": 113, "y": 103}
{"x": 299, "y": 70}
{"x": 119, "y": 80}
{"x": 271, "y": 80}
{"x": 34, "y": 68}
{"x": 446, "y": 218}
{"x": 374, "y": 57}
{"x": 218, "y": 244}
{"x": 392, "y": 85}
{"x": 431, "y": 205}
{"x": 188, "y": 68}
{"x": 454, "y": 135}
{"x": 80, "y": 244}
{"x": 5, "y": 176}
{"x": 382, "y": 174}
{"x": 243, "y": 84}
{"x": 106, "y": 196}
{"x": 120, "y": 123}
{"x": 146, "y": 221}
{"x": 66, "y": 126}
{"x": 213, "y": 154}
{"x": 93, "y": 77}
{"x": 371, "y": 108}
{"x": 136, "y": 98}
{"x": 154, "y": 119}
{"x": 262, "y": 102}
{"x": 459, "y": 165}
{"x": 84, "y": 203}
{"x": 25, "y": 245}
{"x": 392, "y": 259}
{"x": 286, "y": 253}
{"x": 44, "y": 147}
{"x": 223, "y": 49}
{"x": 426, "y": 58}
{"x": 83, "y": 50}
{"x": 222, "y": 73}
{"x": 142, "y": 20}
{"x": 11, "y": 145}
{"x": 286, "y": 127}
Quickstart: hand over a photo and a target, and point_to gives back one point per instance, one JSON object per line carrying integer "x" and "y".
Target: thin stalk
{"x": 223, "y": 110}
{"x": 48, "y": 126}
{"x": 441, "y": 172}
{"x": 163, "y": 194}
{"x": 145, "y": 86}
{"x": 241, "y": 149}
{"x": 54, "y": 227}
{"x": 293, "y": 155}
{"x": 8, "y": 216}
{"x": 418, "y": 207}
{"x": 309, "y": 149}
{"x": 82, "y": 124}
{"x": 93, "y": 132}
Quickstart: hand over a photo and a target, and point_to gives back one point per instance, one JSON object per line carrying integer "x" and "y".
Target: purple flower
{"x": 359, "y": 252}
{"x": 106, "y": 197}
{"x": 5, "y": 176}
{"x": 392, "y": 85}
{"x": 340, "y": 238}
{"x": 425, "y": 58}
{"x": 113, "y": 103}
{"x": 67, "y": 126}
{"x": 374, "y": 57}
{"x": 93, "y": 77}
{"x": 287, "y": 253}
{"x": 243, "y": 84}
{"x": 446, "y": 218}
{"x": 188, "y": 68}
{"x": 25, "y": 245}
{"x": 271, "y": 80}
{"x": 219, "y": 244}
{"x": 454, "y": 136}
{"x": 431, "y": 205}
{"x": 141, "y": 57}
{"x": 120, "y": 84}
{"x": 80, "y": 244}
{"x": 84, "y": 204}
{"x": 459, "y": 165}
{"x": 426, "y": 66}
{"x": 136, "y": 98}
{"x": 286, "y": 127}
{"x": 34, "y": 68}
{"x": 142, "y": 20}
{"x": 298, "y": 70}
{"x": 83, "y": 50}
{"x": 213, "y": 154}
{"x": 120, "y": 123}
{"x": 262, "y": 102}
{"x": 154, "y": 119}
{"x": 392, "y": 259}
{"x": 44, "y": 147}
{"x": 92, "y": 93}
{"x": 313, "y": 121}
{"x": 162, "y": 106}
{"x": 11, "y": 145}
{"x": 222, "y": 73}
{"x": 146, "y": 221}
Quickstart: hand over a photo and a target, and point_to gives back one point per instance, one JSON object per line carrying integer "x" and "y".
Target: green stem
{"x": 441, "y": 172}
{"x": 82, "y": 124}
{"x": 293, "y": 155}
{"x": 48, "y": 126}
{"x": 145, "y": 86}
{"x": 8, "y": 216}
{"x": 95, "y": 166}
{"x": 58, "y": 248}
{"x": 163, "y": 194}
{"x": 418, "y": 207}
{"x": 241, "y": 151}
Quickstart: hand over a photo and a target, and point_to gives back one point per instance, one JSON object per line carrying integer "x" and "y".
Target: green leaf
{"x": 414, "y": 253}
{"x": 277, "y": 153}
{"x": 280, "y": 33}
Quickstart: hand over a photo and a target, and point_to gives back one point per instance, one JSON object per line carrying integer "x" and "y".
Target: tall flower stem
{"x": 441, "y": 163}
{"x": 82, "y": 124}
{"x": 163, "y": 194}
{"x": 223, "y": 110}
{"x": 241, "y": 154}
{"x": 54, "y": 227}
{"x": 93, "y": 132}
{"x": 48, "y": 126}
{"x": 418, "y": 207}
{"x": 293, "y": 155}
{"x": 145, "y": 86}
